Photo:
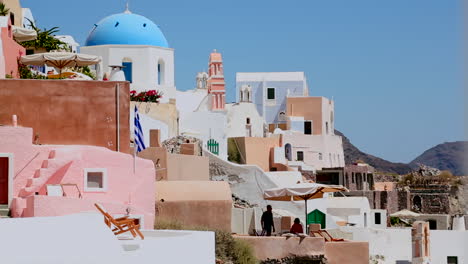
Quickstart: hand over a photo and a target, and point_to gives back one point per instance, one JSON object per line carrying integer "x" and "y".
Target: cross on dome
{"x": 127, "y": 10}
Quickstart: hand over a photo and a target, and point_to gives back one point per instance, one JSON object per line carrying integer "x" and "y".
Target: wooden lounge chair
{"x": 315, "y": 231}
{"x": 121, "y": 225}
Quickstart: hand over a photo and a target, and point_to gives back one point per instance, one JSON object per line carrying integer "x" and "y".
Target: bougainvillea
{"x": 146, "y": 96}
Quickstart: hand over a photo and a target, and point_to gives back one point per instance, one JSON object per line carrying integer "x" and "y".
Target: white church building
{"x": 138, "y": 44}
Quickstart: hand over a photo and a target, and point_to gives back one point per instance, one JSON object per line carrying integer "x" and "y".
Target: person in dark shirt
{"x": 267, "y": 221}
{"x": 296, "y": 228}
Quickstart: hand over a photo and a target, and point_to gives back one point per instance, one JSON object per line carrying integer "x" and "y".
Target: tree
{"x": 45, "y": 39}
{"x": 4, "y": 10}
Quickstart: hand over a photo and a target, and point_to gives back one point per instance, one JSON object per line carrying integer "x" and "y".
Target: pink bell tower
{"x": 216, "y": 82}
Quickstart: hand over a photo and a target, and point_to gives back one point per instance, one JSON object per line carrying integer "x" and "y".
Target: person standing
{"x": 267, "y": 221}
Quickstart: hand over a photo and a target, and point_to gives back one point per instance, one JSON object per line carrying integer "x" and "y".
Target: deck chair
{"x": 121, "y": 225}
{"x": 315, "y": 231}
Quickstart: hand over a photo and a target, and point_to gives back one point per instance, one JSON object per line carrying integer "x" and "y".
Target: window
{"x": 271, "y": 93}
{"x": 365, "y": 219}
{"x": 320, "y": 156}
{"x": 300, "y": 156}
{"x": 308, "y": 127}
{"x": 248, "y": 121}
{"x": 352, "y": 177}
{"x": 432, "y": 224}
{"x": 326, "y": 128}
{"x": 95, "y": 180}
{"x": 452, "y": 260}
{"x": 127, "y": 71}
{"x": 160, "y": 72}
{"x": 377, "y": 218}
{"x": 12, "y": 18}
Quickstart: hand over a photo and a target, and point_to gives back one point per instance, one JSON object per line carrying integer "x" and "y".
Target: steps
{"x": 4, "y": 211}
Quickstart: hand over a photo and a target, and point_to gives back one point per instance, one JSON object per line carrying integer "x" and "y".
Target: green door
{"x": 316, "y": 217}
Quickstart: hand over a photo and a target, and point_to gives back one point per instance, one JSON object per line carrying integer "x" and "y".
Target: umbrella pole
{"x": 306, "y": 225}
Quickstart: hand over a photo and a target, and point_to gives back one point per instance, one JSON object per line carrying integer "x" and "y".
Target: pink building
{"x": 11, "y": 50}
{"x": 216, "y": 84}
{"x": 53, "y": 180}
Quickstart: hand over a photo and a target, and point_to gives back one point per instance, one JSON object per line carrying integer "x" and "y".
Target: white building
{"x": 243, "y": 120}
{"x": 135, "y": 42}
{"x": 72, "y": 45}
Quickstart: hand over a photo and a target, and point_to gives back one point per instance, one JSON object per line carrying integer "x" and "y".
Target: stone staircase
{"x": 4, "y": 211}
{"x": 40, "y": 177}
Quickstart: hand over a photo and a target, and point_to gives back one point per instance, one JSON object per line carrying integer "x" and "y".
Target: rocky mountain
{"x": 352, "y": 154}
{"x": 447, "y": 156}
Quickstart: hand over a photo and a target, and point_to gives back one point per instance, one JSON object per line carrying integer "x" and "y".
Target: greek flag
{"x": 139, "y": 139}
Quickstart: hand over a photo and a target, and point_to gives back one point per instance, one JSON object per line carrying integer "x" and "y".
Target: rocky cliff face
{"x": 447, "y": 156}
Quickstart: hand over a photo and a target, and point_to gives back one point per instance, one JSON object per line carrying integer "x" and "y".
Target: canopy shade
{"x": 24, "y": 34}
{"x": 301, "y": 191}
{"x": 405, "y": 213}
{"x": 60, "y": 60}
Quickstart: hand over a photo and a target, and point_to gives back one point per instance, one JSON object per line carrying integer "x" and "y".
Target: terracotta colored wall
{"x": 177, "y": 167}
{"x": 308, "y": 107}
{"x": 347, "y": 252}
{"x": 256, "y": 151}
{"x": 187, "y": 168}
{"x": 281, "y": 247}
{"x": 195, "y": 203}
{"x": 68, "y": 112}
{"x": 11, "y": 51}
{"x": 155, "y": 153}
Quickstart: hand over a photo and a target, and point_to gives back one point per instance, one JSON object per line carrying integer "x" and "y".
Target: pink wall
{"x": 11, "y": 51}
{"x": 281, "y": 247}
{"x": 66, "y": 164}
{"x": 347, "y": 252}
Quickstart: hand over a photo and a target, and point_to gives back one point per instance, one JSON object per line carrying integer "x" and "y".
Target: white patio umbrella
{"x": 405, "y": 214}
{"x": 60, "y": 59}
{"x": 301, "y": 192}
{"x": 24, "y": 34}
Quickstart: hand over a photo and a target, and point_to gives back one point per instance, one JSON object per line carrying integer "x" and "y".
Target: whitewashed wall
{"x": 393, "y": 244}
{"x": 144, "y": 65}
{"x": 446, "y": 243}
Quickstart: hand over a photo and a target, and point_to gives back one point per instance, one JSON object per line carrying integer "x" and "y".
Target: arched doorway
{"x": 288, "y": 151}
{"x": 417, "y": 203}
{"x": 317, "y": 217}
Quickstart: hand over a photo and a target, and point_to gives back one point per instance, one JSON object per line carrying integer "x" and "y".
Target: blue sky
{"x": 394, "y": 67}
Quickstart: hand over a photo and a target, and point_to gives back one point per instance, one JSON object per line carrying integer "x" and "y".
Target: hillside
{"x": 446, "y": 156}
{"x": 352, "y": 153}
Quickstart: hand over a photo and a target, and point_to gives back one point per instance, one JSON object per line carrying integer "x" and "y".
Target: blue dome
{"x": 126, "y": 29}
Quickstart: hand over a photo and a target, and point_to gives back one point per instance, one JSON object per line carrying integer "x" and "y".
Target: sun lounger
{"x": 315, "y": 231}
{"x": 121, "y": 225}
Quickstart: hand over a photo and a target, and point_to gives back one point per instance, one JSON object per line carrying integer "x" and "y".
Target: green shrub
{"x": 233, "y": 152}
{"x": 228, "y": 249}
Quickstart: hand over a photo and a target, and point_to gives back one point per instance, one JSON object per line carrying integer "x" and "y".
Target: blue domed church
{"x": 137, "y": 43}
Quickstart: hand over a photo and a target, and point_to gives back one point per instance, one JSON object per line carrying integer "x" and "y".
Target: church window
{"x": 127, "y": 64}
{"x": 271, "y": 93}
{"x": 160, "y": 72}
